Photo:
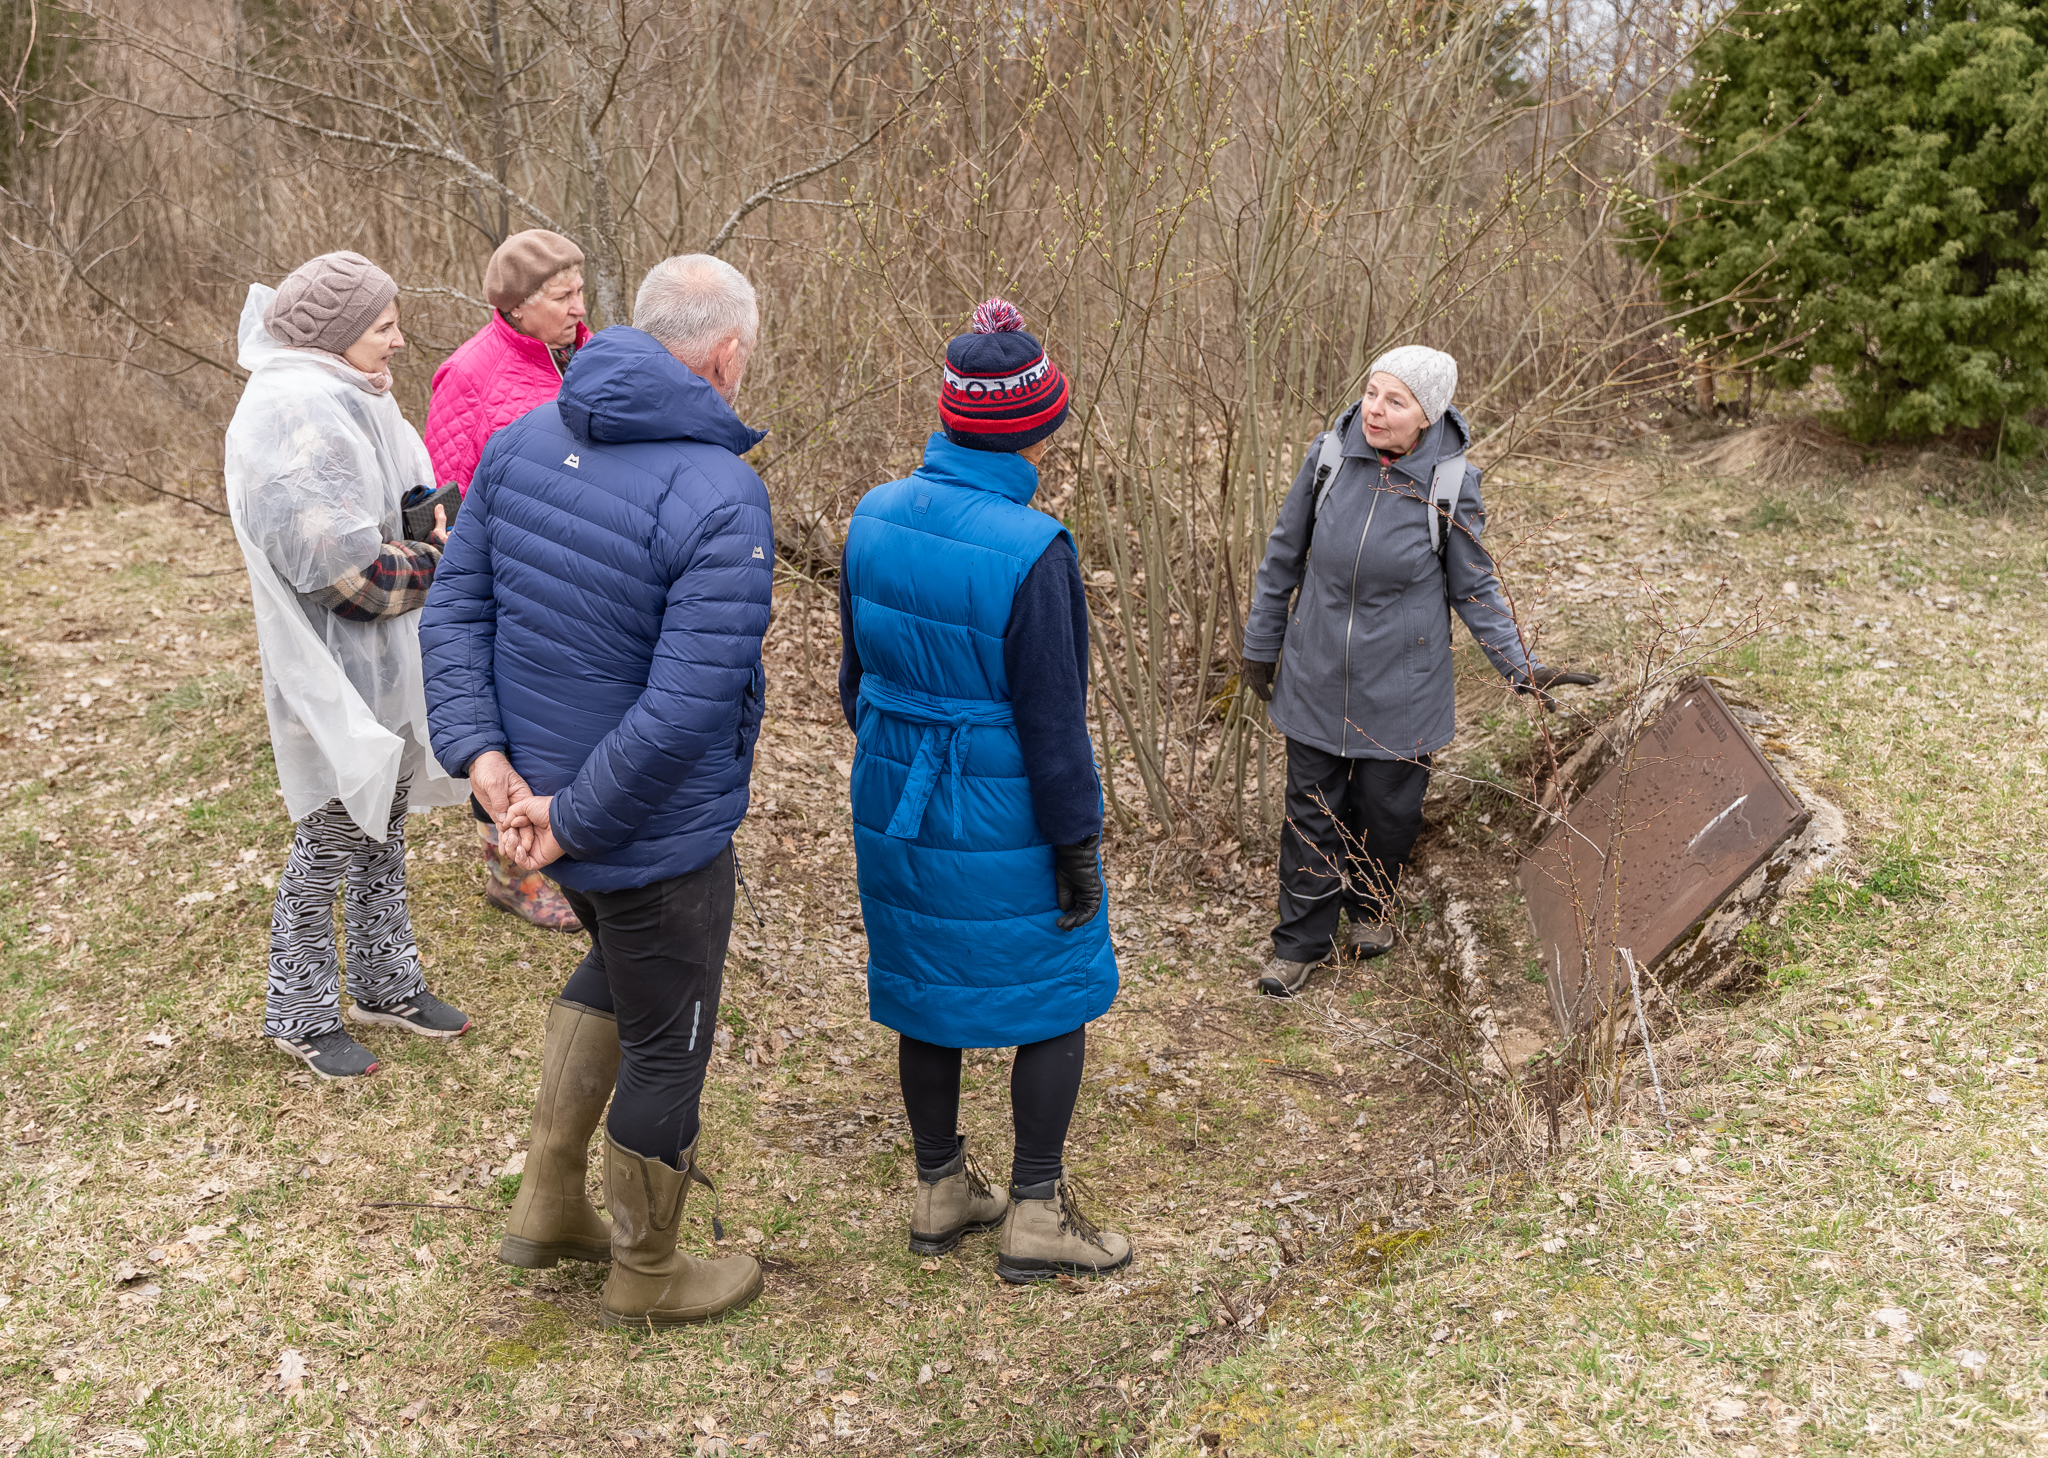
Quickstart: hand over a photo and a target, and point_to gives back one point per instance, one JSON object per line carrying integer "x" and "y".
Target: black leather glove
{"x": 1258, "y": 677}
{"x": 1550, "y": 678}
{"x": 1077, "y": 878}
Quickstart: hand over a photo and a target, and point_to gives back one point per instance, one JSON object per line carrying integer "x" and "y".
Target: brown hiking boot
{"x": 552, "y": 1219}
{"x": 1046, "y": 1233}
{"x": 1283, "y": 978}
{"x": 652, "y": 1283}
{"x": 1365, "y": 940}
{"x": 952, "y": 1201}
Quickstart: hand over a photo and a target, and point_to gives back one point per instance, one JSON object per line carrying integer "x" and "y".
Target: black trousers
{"x": 657, "y": 963}
{"x": 1350, "y": 826}
{"x": 1045, "y": 1084}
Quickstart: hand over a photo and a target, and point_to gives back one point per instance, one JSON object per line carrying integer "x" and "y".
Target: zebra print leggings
{"x": 383, "y": 962}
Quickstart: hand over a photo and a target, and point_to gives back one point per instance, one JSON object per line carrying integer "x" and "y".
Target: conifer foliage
{"x": 1865, "y": 190}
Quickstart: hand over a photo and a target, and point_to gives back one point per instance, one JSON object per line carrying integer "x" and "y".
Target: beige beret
{"x": 523, "y": 263}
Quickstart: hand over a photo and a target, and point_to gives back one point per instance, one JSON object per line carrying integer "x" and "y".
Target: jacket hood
{"x": 257, "y": 348}
{"x": 1003, "y": 472}
{"x": 624, "y": 386}
{"x": 1446, "y": 438}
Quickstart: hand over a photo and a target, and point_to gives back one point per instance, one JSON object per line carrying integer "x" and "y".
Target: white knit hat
{"x": 1430, "y": 375}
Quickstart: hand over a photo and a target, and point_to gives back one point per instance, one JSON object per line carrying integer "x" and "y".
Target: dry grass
{"x": 185, "y": 1214}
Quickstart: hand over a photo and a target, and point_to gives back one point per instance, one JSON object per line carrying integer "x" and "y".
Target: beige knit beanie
{"x": 523, "y": 263}
{"x": 1430, "y": 375}
{"x": 327, "y": 302}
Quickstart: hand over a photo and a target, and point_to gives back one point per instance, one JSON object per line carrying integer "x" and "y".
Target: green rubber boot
{"x": 652, "y": 1283}
{"x": 552, "y": 1219}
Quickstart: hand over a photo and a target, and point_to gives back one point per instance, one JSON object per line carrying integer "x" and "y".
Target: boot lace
{"x": 1071, "y": 1217}
{"x": 977, "y": 1178}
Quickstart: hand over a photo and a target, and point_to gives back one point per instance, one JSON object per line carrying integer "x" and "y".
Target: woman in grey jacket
{"x": 1349, "y": 617}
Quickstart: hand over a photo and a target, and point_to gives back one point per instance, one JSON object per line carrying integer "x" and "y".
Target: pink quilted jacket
{"x": 496, "y": 376}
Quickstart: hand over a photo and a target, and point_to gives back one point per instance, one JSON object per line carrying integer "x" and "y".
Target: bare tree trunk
{"x": 253, "y": 217}
{"x": 501, "y": 146}
{"x": 603, "y": 243}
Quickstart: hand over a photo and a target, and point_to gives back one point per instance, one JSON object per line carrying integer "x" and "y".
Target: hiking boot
{"x": 953, "y": 1200}
{"x": 551, "y": 1218}
{"x": 1365, "y": 940}
{"x": 422, "y": 1013}
{"x": 652, "y": 1283}
{"x": 331, "y": 1054}
{"x": 1283, "y": 978}
{"x": 1045, "y": 1234}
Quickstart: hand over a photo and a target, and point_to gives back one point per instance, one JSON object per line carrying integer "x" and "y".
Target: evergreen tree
{"x": 1865, "y": 191}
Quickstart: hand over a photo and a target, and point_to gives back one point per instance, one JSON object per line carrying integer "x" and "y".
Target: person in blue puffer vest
{"x": 592, "y": 646}
{"x": 977, "y": 812}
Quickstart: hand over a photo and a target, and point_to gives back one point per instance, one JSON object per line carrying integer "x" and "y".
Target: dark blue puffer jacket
{"x": 598, "y": 614}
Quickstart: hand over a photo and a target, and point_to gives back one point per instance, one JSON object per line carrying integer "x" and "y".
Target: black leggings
{"x": 657, "y": 963}
{"x": 1045, "y": 1083}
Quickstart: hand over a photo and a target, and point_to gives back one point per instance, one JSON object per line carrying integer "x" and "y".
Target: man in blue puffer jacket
{"x": 592, "y": 646}
{"x": 977, "y": 813}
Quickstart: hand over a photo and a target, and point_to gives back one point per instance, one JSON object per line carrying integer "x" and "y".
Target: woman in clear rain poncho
{"x": 319, "y": 460}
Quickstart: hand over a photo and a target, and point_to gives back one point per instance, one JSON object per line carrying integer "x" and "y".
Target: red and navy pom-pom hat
{"x": 1001, "y": 392}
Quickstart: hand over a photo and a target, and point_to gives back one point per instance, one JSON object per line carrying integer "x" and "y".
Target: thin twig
{"x": 420, "y": 1205}
{"x": 1649, "y": 1054}
{"x": 771, "y": 191}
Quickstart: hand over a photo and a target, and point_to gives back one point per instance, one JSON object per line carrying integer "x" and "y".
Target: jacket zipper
{"x": 1351, "y": 617}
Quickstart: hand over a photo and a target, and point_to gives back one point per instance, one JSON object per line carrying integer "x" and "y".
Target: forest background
{"x": 1215, "y": 216}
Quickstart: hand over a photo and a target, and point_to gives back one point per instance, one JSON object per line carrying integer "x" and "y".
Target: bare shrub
{"x": 1215, "y": 216}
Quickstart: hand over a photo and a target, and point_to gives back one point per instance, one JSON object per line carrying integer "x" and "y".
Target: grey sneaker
{"x": 333, "y": 1054}
{"x": 422, "y": 1013}
{"x": 1283, "y": 978}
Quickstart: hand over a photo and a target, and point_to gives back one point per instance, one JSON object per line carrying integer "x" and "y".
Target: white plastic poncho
{"x": 317, "y": 464}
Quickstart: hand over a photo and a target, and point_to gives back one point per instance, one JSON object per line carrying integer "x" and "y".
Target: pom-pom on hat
{"x": 327, "y": 302}
{"x": 1001, "y": 392}
{"x": 1430, "y": 375}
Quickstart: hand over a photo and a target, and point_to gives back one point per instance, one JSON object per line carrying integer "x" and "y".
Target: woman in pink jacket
{"x": 510, "y": 366}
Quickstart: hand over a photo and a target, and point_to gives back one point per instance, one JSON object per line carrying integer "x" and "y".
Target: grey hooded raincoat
{"x": 1356, "y": 597}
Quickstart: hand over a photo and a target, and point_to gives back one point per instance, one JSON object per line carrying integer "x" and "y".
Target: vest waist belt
{"x": 941, "y": 749}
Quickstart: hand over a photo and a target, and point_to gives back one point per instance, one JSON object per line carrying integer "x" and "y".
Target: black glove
{"x": 1550, "y": 678}
{"x": 1077, "y": 877}
{"x": 1258, "y": 677}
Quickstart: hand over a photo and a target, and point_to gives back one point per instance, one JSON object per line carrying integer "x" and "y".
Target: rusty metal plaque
{"x": 1663, "y": 835}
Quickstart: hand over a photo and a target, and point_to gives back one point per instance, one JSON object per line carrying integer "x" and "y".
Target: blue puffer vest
{"x": 956, "y": 882}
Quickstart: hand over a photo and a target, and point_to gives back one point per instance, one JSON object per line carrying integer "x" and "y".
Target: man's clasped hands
{"x": 520, "y": 815}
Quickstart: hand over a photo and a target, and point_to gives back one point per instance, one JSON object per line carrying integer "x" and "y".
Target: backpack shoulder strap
{"x": 1329, "y": 458}
{"x": 1446, "y": 485}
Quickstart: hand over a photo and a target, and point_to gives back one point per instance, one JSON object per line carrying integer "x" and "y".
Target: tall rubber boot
{"x": 652, "y": 1283}
{"x": 552, "y": 1219}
